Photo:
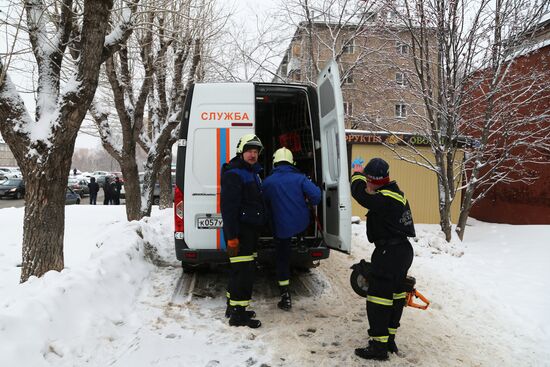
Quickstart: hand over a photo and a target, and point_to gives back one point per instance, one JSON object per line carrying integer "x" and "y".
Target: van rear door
{"x": 220, "y": 114}
{"x": 335, "y": 175}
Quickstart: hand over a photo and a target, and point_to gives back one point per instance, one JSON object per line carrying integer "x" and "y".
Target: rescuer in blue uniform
{"x": 389, "y": 223}
{"x": 287, "y": 192}
{"x": 243, "y": 215}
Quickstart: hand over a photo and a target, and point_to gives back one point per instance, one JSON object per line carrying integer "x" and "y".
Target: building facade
{"x": 519, "y": 202}
{"x": 6, "y": 157}
{"x": 376, "y": 69}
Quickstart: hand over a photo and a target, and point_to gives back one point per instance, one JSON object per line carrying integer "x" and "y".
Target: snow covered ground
{"x": 112, "y": 306}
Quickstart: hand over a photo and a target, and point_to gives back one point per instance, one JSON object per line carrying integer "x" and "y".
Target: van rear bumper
{"x": 301, "y": 256}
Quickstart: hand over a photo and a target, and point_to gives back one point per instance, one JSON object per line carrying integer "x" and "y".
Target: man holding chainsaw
{"x": 389, "y": 223}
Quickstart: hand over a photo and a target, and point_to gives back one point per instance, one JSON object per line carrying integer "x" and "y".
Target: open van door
{"x": 336, "y": 187}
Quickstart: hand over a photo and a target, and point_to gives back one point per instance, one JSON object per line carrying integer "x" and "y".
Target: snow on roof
{"x": 528, "y": 48}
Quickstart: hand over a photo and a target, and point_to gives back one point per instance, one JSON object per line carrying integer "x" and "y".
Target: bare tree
{"x": 164, "y": 57}
{"x": 465, "y": 55}
{"x": 43, "y": 144}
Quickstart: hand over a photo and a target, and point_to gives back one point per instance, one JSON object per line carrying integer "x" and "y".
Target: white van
{"x": 308, "y": 121}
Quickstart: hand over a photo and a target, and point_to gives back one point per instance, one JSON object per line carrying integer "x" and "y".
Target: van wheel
{"x": 359, "y": 283}
{"x": 18, "y": 195}
{"x": 156, "y": 201}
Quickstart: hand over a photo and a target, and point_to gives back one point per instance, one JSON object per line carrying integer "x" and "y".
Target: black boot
{"x": 392, "y": 347}
{"x": 375, "y": 350}
{"x": 229, "y": 310}
{"x": 239, "y": 317}
{"x": 285, "y": 303}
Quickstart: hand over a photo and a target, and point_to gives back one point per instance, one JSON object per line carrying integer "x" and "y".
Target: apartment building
{"x": 6, "y": 157}
{"x": 376, "y": 68}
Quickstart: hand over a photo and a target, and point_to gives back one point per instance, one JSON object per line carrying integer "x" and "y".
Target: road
{"x": 14, "y": 203}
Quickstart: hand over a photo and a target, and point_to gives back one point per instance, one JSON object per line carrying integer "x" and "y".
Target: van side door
{"x": 335, "y": 172}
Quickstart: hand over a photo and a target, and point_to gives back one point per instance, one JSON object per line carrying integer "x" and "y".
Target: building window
{"x": 402, "y": 48}
{"x": 400, "y": 110}
{"x": 349, "y": 47}
{"x": 348, "y": 108}
{"x": 370, "y": 16}
{"x": 296, "y": 75}
{"x": 348, "y": 79}
{"x": 399, "y": 78}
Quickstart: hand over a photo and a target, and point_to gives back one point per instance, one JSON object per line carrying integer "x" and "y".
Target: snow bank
{"x": 46, "y": 318}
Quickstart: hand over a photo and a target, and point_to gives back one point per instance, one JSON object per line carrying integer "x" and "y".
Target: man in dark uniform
{"x": 243, "y": 215}
{"x": 389, "y": 223}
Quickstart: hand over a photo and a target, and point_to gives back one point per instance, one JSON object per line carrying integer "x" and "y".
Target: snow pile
{"x": 114, "y": 303}
{"x": 111, "y": 306}
{"x": 44, "y": 319}
{"x": 430, "y": 240}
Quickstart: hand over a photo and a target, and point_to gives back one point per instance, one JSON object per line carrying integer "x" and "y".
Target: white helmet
{"x": 283, "y": 155}
{"x": 249, "y": 141}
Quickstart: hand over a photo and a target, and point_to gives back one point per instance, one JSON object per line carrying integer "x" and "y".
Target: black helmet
{"x": 377, "y": 171}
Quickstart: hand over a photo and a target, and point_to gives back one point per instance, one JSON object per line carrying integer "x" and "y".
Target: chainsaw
{"x": 359, "y": 280}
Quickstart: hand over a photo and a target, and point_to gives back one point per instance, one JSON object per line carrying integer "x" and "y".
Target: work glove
{"x": 357, "y": 165}
{"x": 233, "y": 247}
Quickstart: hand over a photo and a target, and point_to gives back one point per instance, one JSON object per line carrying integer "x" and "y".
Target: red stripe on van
{"x": 218, "y": 181}
{"x": 241, "y": 124}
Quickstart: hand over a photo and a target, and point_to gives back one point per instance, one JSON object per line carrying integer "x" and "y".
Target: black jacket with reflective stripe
{"x": 389, "y": 214}
{"x": 241, "y": 196}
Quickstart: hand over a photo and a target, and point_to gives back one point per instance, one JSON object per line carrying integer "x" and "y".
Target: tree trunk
{"x": 147, "y": 195}
{"x": 444, "y": 200}
{"x": 132, "y": 190}
{"x": 165, "y": 180}
{"x": 465, "y": 211}
{"x": 44, "y": 221}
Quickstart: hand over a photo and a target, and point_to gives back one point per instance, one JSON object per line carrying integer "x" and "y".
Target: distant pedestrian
{"x": 74, "y": 171}
{"x": 116, "y": 186}
{"x": 94, "y": 189}
{"x": 287, "y": 192}
{"x": 108, "y": 191}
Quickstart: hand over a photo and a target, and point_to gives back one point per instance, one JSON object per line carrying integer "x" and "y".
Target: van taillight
{"x": 178, "y": 210}
{"x": 190, "y": 255}
{"x": 316, "y": 253}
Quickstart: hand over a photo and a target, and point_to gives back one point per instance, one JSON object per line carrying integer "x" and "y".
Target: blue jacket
{"x": 285, "y": 191}
{"x": 241, "y": 196}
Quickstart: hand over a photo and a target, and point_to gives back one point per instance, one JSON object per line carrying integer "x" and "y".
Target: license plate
{"x": 209, "y": 222}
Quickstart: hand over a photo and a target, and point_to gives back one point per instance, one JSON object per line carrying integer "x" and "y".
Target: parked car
{"x": 80, "y": 186}
{"x": 11, "y": 172}
{"x": 101, "y": 179}
{"x": 85, "y": 175}
{"x": 12, "y": 188}
{"x": 71, "y": 197}
{"x": 119, "y": 175}
{"x": 99, "y": 173}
